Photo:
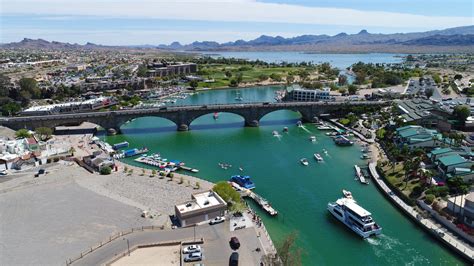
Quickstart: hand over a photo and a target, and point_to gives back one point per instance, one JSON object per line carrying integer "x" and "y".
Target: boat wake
{"x": 305, "y": 129}
{"x": 400, "y": 253}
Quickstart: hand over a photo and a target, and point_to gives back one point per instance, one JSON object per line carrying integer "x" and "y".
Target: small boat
{"x": 318, "y": 157}
{"x": 326, "y": 152}
{"x": 312, "y": 138}
{"x": 324, "y": 127}
{"x": 285, "y": 129}
{"x": 241, "y": 169}
{"x": 304, "y": 161}
{"x": 216, "y": 115}
{"x": 365, "y": 157}
{"x": 275, "y": 133}
{"x": 238, "y": 97}
{"x": 299, "y": 124}
{"x": 120, "y": 145}
{"x": 347, "y": 194}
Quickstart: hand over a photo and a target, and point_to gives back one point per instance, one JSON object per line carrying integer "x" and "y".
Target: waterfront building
{"x": 202, "y": 207}
{"x": 455, "y": 165}
{"x": 164, "y": 69}
{"x": 464, "y": 206}
{"x": 425, "y": 113}
{"x": 298, "y": 94}
{"x": 418, "y": 137}
{"x": 70, "y": 107}
{"x": 77, "y": 67}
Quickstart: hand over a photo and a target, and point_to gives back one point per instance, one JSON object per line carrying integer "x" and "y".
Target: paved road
{"x": 216, "y": 250}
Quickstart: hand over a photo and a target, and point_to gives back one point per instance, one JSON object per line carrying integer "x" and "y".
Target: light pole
{"x": 194, "y": 227}
{"x": 128, "y": 246}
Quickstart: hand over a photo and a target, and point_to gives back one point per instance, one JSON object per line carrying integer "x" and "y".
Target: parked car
{"x": 191, "y": 249}
{"x": 41, "y": 171}
{"x": 217, "y": 220}
{"x": 3, "y": 172}
{"x": 196, "y": 256}
{"x": 239, "y": 227}
{"x": 234, "y": 243}
{"x": 234, "y": 259}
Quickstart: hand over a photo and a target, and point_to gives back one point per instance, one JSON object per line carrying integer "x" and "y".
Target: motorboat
{"x": 304, "y": 161}
{"x": 347, "y": 194}
{"x": 312, "y": 139}
{"x": 355, "y": 217}
{"x": 285, "y": 129}
{"x": 318, "y": 157}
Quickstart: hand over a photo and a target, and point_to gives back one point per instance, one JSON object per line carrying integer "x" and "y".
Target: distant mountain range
{"x": 459, "y": 39}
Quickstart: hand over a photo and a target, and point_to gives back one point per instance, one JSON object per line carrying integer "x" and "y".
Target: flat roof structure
{"x": 202, "y": 207}
{"x": 452, "y": 160}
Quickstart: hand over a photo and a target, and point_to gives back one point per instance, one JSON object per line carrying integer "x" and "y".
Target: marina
{"x": 289, "y": 187}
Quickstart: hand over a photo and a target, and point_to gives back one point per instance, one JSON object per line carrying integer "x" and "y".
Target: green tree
{"x": 142, "y": 70}
{"x": 228, "y": 73}
{"x": 461, "y": 112}
{"x": 10, "y": 108}
{"x": 352, "y": 89}
{"x": 4, "y": 85}
{"x": 27, "y": 84}
{"x": 226, "y": 192}
{"x": 342, "y": 80}
{"x": 194, "y": 84}
{"x": 106, "y": 170}
{"x": 44, "y": 133}
{"x": 153, "y": 172}
{"x": 198, "y": 185}
{"x": 22, "y": 133}
{"x": 288, "y": 251}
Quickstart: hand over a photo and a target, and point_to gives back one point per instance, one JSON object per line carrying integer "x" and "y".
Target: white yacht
{"x": 355, "y": 217}
{"x": 312, "y": 138}
{"x": 304, "y": 161}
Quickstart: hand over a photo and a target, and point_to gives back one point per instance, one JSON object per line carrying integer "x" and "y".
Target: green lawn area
{"x": 249, "y": 73}
{"x": 396, "y": 176}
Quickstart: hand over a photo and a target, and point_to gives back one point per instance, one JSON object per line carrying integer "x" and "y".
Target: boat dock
{"x": 263, "y": 203}
{"x": 193, "y": 170}
{"x": 360, "y": 175}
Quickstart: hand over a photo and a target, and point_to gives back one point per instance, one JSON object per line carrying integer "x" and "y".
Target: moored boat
{"x": 312, "y": 138}
{"x": 243, "y": 181}
{"x": 347, "y": 194}
{"x": 304, "y": 161}
{"x": 355, "y": 217}
{"x": 318, "y": 157}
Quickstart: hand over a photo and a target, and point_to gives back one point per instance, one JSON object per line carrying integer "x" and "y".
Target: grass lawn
{"x": 249, "y": 73}
{"x": 396, "y": 177}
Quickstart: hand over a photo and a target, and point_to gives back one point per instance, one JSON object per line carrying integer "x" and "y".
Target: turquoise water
{"x": 299, "y": 193}
{"x": 340, "y": 61}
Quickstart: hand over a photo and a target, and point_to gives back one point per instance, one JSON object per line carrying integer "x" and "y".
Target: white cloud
{"x": 229, "y": 10}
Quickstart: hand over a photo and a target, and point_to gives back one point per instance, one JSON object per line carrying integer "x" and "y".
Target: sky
{"x": 138, "y": 22}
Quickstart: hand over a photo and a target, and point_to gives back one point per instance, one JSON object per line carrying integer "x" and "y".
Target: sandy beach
{"x": 70, "y": 209}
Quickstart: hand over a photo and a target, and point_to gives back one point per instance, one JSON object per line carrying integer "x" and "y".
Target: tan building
{"x": 202, "y": 207}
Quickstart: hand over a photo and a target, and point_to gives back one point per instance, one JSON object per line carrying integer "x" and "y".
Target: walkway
{"x": 456, "y": 244}
{"x": 216, "y": 249}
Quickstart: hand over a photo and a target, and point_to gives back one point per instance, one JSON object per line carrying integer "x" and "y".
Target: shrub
{"x": 429, "y": 199}
{"x": 198, "y": 185}
{"x": 105, "y": 170}
{"x": 226, "y": 192}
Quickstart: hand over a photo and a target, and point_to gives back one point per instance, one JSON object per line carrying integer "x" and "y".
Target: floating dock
{"x": 193, "y": 170}
{"x": 263, "y": 203}
{"x": 360, "y": 175}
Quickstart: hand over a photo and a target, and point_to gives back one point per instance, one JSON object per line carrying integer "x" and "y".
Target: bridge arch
{"x": 214, "y": 120}
{"x": 147, "y": 123}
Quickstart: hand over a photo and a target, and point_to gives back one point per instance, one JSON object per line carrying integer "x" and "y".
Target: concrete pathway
{"x": 457, "y": 244}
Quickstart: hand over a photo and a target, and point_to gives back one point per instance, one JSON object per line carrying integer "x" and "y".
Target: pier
{"x": 263, "y": 203}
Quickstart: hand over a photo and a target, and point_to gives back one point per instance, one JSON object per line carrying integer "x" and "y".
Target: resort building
{"x": 164, "y": 69}
{"x": 70, "y": 107}
{"x": 424, "y": 113}
{"x": 464, "y": 206}
{"x": 418, "y": 137}
{"x": 455, "y": 165}
{"x": 298, "y": 94}
{"x": 202, "y": 207}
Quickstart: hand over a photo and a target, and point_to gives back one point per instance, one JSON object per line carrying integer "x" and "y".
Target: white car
{"x": 217, "y": 220}
{"x": 192, "y": 249}
{"x": 3, "y": 172}
{"x": 196, "y": 256}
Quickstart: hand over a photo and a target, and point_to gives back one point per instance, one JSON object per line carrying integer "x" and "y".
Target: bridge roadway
{"x": 183, "y": 116}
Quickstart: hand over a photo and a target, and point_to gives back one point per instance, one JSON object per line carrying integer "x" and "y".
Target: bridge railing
{"x": 186, "y": 108}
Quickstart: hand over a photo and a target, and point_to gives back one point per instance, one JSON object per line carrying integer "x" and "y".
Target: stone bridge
{"x": 182, "y": 116}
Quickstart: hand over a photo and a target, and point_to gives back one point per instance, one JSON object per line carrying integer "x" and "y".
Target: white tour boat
{"x": 355, "y": 217}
